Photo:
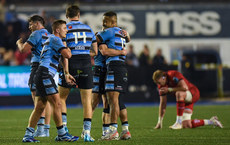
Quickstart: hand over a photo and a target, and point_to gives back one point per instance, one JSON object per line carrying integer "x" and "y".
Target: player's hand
{"x": 163, "y": 90}
{"x": 158, "y": 126}
{"x": 124, "y": 33}
{"x": 124, "y": 51}
{"x": 70, "y": 79}
{"x": 19, "y": 41}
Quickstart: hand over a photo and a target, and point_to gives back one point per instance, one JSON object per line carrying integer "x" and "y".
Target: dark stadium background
{"x": 208, "y": 64}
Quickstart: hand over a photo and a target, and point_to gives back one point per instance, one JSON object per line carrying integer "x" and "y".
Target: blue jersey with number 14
{"x": 79, "y": 37}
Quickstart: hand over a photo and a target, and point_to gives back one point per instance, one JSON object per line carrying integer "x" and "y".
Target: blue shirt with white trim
{"x": 51, "y": 53}
{"x": 37, "y": 40}
{"x": 79, "y": 38}
{"x": 114, "y": 39}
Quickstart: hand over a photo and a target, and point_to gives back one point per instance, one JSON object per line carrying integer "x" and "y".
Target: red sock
{"x": 197, "y": 123}
{"x": 180, "y": 105}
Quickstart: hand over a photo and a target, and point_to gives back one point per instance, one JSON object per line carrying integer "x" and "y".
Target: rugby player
{"x": 116, "y": 76}
{"x": 99, "y": 92}
{"x": 45, "y": 84}
{"x": 80, "y": 38}
{"x": 186, "y": 95}
{"x": 35, "y": 43}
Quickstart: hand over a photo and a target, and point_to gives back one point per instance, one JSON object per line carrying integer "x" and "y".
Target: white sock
{"x": 179, "y": 119}
{"x": 125, "y": 128}
{"x": 208, "y": 122}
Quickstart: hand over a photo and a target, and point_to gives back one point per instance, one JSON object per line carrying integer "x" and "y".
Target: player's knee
{"x": 180, "y": 95}
{"x": 113, "y": 100}
{"x": 40, "y": 108}
{"x": 186, "y": 124}
{"x": 122, "y": 106}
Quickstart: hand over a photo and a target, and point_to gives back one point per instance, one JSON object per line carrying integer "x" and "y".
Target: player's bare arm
{"x": 162, "y": 109}
{"x": 66, "y": 53}
{"x": 182, "y": 86}
{"x": 111, "y": 52}
{"x": 94, "y": 50}
{"x": 23, "y": 47}
{"x": 126, "y": 35}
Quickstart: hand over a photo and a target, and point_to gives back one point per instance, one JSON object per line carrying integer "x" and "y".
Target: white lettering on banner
{"x": 18, "y": 80}
{"x": 3, "y": 83}
{"x": 188, "y": 23}
{"x": 125, "y": 21}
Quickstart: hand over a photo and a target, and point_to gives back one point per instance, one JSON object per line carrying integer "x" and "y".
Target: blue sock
{"x": 64, "y": 118}
{"x": 114, "y": 125}
{"x": 61, "y": 130}
{"x": 46, "y": 126}
{"x": 125, "y": 126}
{"x": 40, "y": 124}
{"x": 105, "y": 127}
{"x": 87, "y": 124}
{"x": 29, "y": 131}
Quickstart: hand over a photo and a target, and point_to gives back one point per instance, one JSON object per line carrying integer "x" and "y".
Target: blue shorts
{"x": 117, "y": 77}
{"x": 31, "y": 83}
{"x": 45, "y": 84}
{"x": 99, "y": 79}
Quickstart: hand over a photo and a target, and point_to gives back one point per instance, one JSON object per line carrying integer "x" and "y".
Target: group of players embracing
{"x": 68, "y": 51}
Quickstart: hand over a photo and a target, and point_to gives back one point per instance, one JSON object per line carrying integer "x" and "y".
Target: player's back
{"x": 50, "y": 54}
{"x": 79, "y": 38}
{"x": 114, "y": 39}
{"x": 99, "y": 60}
{"x": 174, "y": 78}
{"x": 37, "y": 40}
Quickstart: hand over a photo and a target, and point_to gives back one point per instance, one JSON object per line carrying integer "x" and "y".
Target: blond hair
{"x": 157, "y": 75}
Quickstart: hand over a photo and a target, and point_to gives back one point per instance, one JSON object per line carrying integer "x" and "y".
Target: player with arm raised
{"x": 35, "y": 43}
{"x": 45, "y": 84}
{"x": 186, "y": 95}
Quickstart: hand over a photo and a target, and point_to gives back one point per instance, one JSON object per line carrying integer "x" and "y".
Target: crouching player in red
{"x": 186, "y": 95}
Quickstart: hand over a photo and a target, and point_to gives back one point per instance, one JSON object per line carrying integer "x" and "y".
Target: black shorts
{"x": 117, "y": 77}
{"x": 62, "y": 81}
{"x": 34, "y": 67}
{"x": 45, "y": 84}
{"x": 80, "y": 68}
{"x": 99, "y": 79}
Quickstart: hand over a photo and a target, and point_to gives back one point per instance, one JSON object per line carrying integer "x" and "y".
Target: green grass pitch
{"x": 141, "y": 120}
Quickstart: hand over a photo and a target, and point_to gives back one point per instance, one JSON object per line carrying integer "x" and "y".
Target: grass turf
{"x": 141, "y": 120}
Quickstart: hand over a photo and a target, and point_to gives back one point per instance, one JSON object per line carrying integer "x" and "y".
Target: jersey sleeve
{"x": 93, "y": 37}
{"x": 57, "y": 44}
{"x": 105, "y": 35}
{"x": 34, "y": 38}
{"x": 177, "y": 76}
{"x": 64, "y": 39}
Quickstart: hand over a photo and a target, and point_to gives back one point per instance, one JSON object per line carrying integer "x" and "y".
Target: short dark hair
{"x": 72, "y": 11}
{"x": 36, "y": 18}
{"x": 56, "y": 24}
{"x": 110, "y": 14}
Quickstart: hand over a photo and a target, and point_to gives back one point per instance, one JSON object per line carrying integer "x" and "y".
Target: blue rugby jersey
{"x": 51, "y": 53}
{"x": 37, "y": 40}
{"x": 114, "y": 39}
{"x": 99, "y": 59}
{"x": 79, "y": 37}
